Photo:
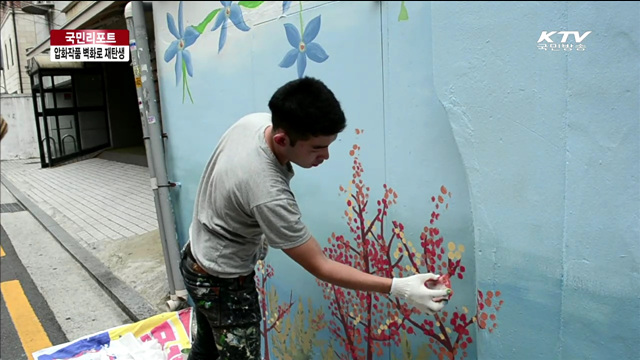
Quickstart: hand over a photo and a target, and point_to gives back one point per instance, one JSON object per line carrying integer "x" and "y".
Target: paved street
{"x": 47, "y": 297}
{"x": 27, "y": 322}
{"x": 104, "y": 212}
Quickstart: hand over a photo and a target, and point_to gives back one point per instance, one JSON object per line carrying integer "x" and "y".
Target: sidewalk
{"x": 103, "y": 212}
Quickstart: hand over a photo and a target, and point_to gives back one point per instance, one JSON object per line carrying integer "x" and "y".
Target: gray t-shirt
{"x": 244, "y": 203}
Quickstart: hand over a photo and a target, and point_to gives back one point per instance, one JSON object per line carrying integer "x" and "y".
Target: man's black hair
{"x": 306, "y": 108}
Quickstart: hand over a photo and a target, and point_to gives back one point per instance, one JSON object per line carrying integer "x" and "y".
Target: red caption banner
{"x": 89, "y": 45}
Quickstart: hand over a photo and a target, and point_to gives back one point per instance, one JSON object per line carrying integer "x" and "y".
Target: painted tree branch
{"x": 364, "y": 322}
{"x": 282, "y": 311}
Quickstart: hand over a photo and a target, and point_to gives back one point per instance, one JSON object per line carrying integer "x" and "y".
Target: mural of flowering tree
{"x": 364, "y": 323}
{"x": 272, "y": 310}
{"x": 407, "y": 352}
{"x": 296, "y": 338}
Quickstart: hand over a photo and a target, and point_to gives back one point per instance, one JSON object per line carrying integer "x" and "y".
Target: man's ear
{"x": 281, "y": 139}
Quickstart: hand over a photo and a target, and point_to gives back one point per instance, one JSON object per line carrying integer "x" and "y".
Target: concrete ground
{"x": 66, "y": 300}
{"x": 103, "y": 212}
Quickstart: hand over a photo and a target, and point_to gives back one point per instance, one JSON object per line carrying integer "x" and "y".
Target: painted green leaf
{"x": 250, "y": 4}
{"x": 184, "y": 82}
{"x": 297, "y": 338}
{"x": 404, "y": 15}
{"x": 200, "y": 28}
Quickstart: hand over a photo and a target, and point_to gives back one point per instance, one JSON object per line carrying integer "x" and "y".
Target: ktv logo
{"x": 546, "y": 40}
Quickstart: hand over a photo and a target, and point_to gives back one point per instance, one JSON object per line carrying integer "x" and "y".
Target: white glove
{"x": 414, "y": 291}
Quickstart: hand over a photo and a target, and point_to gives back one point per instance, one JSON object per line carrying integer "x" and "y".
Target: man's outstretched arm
{"x": 281, "y": 224}
{"x": 310, "y": 256}
{"x": 411, "y": 288}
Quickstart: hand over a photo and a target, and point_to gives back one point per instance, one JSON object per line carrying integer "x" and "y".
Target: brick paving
{"x": 93, "y": 200}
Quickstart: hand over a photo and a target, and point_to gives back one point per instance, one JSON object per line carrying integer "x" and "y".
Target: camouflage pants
{"x": 227, "y": 315}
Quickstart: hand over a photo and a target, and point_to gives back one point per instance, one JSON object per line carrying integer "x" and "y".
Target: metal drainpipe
{"x": 152, "y": 132}
{"x": 145, "y": 136}
{"x": 15, "y": 35}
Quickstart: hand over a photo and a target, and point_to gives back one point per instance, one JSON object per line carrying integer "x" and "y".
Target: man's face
{"x": 312, "y": 152}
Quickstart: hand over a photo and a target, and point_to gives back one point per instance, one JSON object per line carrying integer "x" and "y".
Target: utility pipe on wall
{"x": 15, "y": 37}
{"x": 152, "y": 133}
{"x": 145, "y": 136}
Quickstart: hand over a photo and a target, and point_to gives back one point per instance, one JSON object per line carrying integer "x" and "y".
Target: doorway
{"x": 70, "y": 111}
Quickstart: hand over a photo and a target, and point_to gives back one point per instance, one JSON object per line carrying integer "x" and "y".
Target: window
{"x": 6, "y": 55}
{"x": 11, "y": 48}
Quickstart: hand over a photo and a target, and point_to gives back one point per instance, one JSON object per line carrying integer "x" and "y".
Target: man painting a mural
{"x": 244, "y": 205}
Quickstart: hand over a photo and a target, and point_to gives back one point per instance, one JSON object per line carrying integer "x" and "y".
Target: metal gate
{"x": 70, "y": 109}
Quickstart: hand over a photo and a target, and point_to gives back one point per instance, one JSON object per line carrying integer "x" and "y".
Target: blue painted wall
{"x": 537, "y": 149}
{"x": 550, "y": 144}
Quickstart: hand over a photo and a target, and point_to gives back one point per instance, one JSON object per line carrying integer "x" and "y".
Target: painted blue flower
{"x": 178, "y": 48}
{"x": 303, "y": 46}
{"x": 285, "y": 6}
{"x": 231, "y": 12}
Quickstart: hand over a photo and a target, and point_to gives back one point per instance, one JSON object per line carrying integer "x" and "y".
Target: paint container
{"x": 443, "y": 282}
{"x": 185, "y": 353}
